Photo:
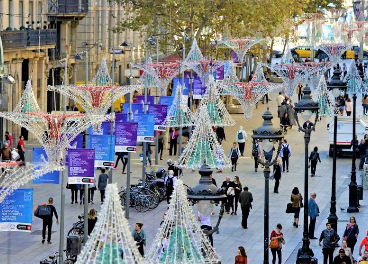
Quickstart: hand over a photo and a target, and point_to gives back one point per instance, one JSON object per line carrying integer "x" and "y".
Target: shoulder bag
{"x": 230, "y": 191}
{"x": 274, "y": 243}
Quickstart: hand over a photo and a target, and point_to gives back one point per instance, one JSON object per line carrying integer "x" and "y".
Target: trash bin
{"x": 73, "y": 245}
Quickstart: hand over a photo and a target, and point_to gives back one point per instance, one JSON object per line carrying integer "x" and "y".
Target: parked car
{"x": 350, "y": 54}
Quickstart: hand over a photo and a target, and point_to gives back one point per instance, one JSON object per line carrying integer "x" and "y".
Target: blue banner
{"x": 120, "y": 117}
{"x": 179, "y": 80}
{"x": 105, "y": 129}
{"x": 150, "y": 99}
{"x": 81, "y": 169}
{"x": 104, "y": 146}
{"x": 146, "y": 124}
{"x": 136, "y": 108}
{"x": 16, "y": 211}
{"x": 51, "y": 177}
{"x": 166, "y": 100}
{"x": 198, "y": 89}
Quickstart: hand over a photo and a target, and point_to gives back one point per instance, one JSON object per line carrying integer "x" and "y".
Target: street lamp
{"x": 306, "y": 107}
{"x": 206, "y": 195}
{"x": 270, "y": 136}
{"x": 336, "y": 85}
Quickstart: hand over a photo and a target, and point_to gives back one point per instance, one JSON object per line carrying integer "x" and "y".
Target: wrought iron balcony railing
{"x": 28, "y": 38}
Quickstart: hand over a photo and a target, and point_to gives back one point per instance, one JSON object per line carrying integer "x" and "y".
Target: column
{"x": 16, "y": 95}
{"x": 26, "y": 12}
{"x": 42, "y": 100}
{"x": 16, "y": 13}
{"x": 33, "y": 74}
{"x": 64, "y": 38}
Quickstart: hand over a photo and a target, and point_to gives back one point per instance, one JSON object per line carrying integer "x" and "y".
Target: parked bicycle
{"x": 53, "y": 259}
{"x": 78, "y": 227}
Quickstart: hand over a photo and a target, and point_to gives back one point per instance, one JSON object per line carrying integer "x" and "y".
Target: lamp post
{"x": 306, "y": 107}
{"x": 335, "y": 85}
{"x": 205, "y": 195}
{"x": 269, "y": 135}
{"x": 352, "y": 87}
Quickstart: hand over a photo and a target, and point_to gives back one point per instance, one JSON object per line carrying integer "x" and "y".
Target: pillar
{"x": 65, "y": 38}
{"x": 16, "y": 95}
{"x": 33, "y": 74}
{"x": 42, "y": 100}
{"x": 26, "y": 12}
{"x": 16, "y": 18}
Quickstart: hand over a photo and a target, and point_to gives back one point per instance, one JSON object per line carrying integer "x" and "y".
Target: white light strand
{"x": 203, "y": 146}
{"x": 325, "y": 99}
{"x": 334, "y": 51}
{"x": 218, "y": 114}
{"x": 15, "y": 176}
{"x": 353, "y": 79}
{"x": 195, "y": 53}
{"x": 179, "y": 114}
{"x": 111, "y": 236}
{"x": 180, "y": 239}
{"x": 240, "y": 45}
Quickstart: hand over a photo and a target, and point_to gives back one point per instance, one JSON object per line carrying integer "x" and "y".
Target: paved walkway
{"x": 24, "y": 248}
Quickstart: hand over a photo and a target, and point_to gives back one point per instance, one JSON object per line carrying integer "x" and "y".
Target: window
{"x": 30, "y": 18}
{"x": 21, "y": 12}
{"x": 10, "y": 16}
{"x": 40, "y": 11}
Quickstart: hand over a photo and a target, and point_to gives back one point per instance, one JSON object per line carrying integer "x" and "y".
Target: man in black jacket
{"x": 342, "y": 258}
{"x": 245, "y": 200}
{"x": 226, "y": 185}
{"x": 361, "y": 148}
{"x": 47, "y": 221}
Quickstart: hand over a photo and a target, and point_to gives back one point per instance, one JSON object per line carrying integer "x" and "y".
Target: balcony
{"x": 28, "y": 39}
{"x": 68, "y": 8}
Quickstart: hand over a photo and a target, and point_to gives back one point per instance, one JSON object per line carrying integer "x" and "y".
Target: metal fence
{"x": 68, "y": 7}
{"x": 28, "y": 38}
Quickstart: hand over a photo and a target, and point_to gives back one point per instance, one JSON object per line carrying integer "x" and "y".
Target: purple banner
{"x": 76, "y": 143}
{"x": 81, "y": 166}
{"x": 120, "y": 117}
{"x": 136, "y": 108}
{"x": 160, "y": 112}
{"x": 126, "y": 137}
{"x": 219, "y": 73}
{"x": 198, "y": 89}
{"x": 150, "y": 99}
{"x": 234, "y": 57}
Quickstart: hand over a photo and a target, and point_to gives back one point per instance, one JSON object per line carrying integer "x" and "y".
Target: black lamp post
{"x": 206, "y": 195}
{"x": 336, "y": 85}
{"x": 306, "y": 107}
{"x": 352, "y": 87}
{"x": 268, "y": 135}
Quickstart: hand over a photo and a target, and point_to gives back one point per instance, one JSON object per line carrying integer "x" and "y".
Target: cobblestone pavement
{"x": 21, "y": 248}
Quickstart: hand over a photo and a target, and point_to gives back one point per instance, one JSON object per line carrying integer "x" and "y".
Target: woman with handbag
{"x": 238, "y": 189}
{"x": 277, "y": 239}
{"x": 297, "y": 201}
{"x": 351, "y": 233}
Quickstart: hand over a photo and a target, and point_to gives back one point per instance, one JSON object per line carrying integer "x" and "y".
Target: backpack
{"x": 255, "y": 150}
{"x": 240, "y": 135}
{"x": 169, "y": 183}
{"x": 314, "y": 156}
{"x": 285, "y": 150}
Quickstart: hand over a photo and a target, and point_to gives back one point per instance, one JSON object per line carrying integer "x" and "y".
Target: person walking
{"x": 139, "y": 236}
{"x": 74, "y": 192}
{"x": 47, "y": 221}
{"x": 300, "y": 90}
{"x": 241, "y": 137}
{"x": 9, "y": 138}
{"x": 21, "y": 149}
{"x": 257, "y": 153}
{"x": 351, "y": 233}
{"x": 362, "y": 153}
{"x": 313, "y": 158}
{"x": 245, "y": 200}
{"x": 120, "y": 156}
{"x": 5, "y": 153}
{"x": 170, "y": 181}
{"x": 241, "y": 257}
{"x": 161, "y": 140}
{"x": 365, "y": 104}
{"x": 364, "y": 243}
{"x": 296, "y": 200}
{"x": 285, "y": 154}
{"x": 284, "y": 122}
{"x": 277, "y": 235}
{"x": 91, "y": 190}
{"x": 234, "y": 155}
{"x": 92, "y": 219}
{"x": 347, "y": 251}
{"x": 277, "y": 175}
{"x": 313, "y": 212}
{"x": 238, "y": 189}
{"x": 102, "y": 184}
{"x": 220, "y": 133}
{"x": 329, "y": 238}
{"x": 281, "y": 111}
{"x": 229, "y": 188}
{"x": 174, "y": 134}
{"x": 279, "y": 99}
{"x": 205, "y": 222}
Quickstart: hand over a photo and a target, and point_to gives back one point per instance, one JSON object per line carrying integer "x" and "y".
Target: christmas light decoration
{"x": 179, "y": 114}
{"x": 355, "y": 82}
{"x": 204, "y": 68}
{"x": 195, "y": 53}
{"x": 334, "y": 51}
{"x": 111, "y": 241}
{"x": 325, "y": 99}
{"x": 180, "y": 240}
{"x": 287, "y": 58}
{"x": 161, "y": 72}
{"x": 18, "y": 175}
{"x": 202, "y": 145}
{"x": 217, "y": 112}
{"x": 96, "y": 98}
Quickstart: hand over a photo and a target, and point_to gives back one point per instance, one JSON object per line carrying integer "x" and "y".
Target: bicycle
{"x": 53, "y": 259}
{"x": 78, "y": 227}
{"x": 140, "y": 201}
